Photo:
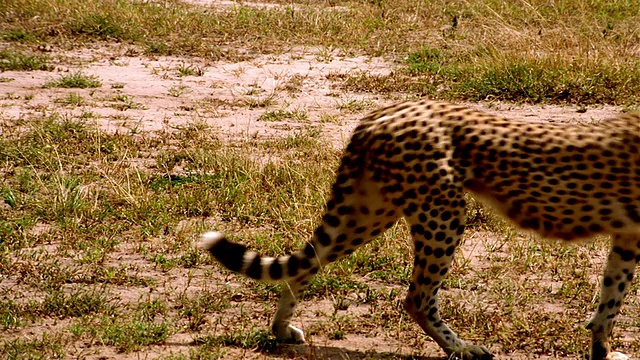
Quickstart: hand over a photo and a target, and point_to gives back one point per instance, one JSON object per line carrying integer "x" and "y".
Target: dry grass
{"x": 83, "y": 224}
{"x": 536, "y": 51}
{"x": 97, "y": 227}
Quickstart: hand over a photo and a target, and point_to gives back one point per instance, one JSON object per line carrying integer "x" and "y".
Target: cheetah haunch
{"x": 416, "y": 159}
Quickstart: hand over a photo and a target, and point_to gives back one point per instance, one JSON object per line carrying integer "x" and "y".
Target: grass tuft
{"x": 280, "y": 115}
{"x": 126, "y": 335}
{"x": 15, "y": 61}
{"x": 72, "y": 99}
{"x": 45, "y": 346}
{"x": 18, "y": 35}
{"x": 525, "y": 79}
{"x": 75, "y": 80}
{"x": 62, "y": 305}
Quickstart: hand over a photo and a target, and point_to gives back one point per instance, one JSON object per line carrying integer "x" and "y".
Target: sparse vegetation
{"x": 97, "y": 227}
{"x": 533, "y": 51}
{"x": 123, "y": 102}
{"x": 279, "y": 115}
{"x": 75, "y": 80}
{"x": 222, "y": 182}
{"x": 253, "y": 102}
{"x": 73, "y": 99}
{"x": 177, "y": 90}
{"x": 190, "y": 70}
{"x": 10, "y": 60}
{"x": 17, "y": 35}
{"x": 451, "y": 75}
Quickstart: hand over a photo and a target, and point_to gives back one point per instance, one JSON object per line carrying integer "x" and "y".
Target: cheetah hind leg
{"x": 281, "y": 324}
{"x": 621, "y": 264}
{"x": 343, "y": 229}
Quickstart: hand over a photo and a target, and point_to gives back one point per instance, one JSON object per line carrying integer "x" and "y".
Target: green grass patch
{"x": 18, "y": 35}
{"x": 16, "y": 61}
{"x": 124, "y": 102}
{"x": 196, "y": 308}
{"x": 56, "y": 304}
{"x": 72, "y": 99}
{"x": 75, "y": 80}
{"x": 12, "y": 314}
{"x": 525, "y": 79}
{"x": 125, "y": 335}
{"x": 45, "y": 346}
{"x": 190, "y": 70}
{"x": 477, "y": 76}
{"x": 280, "y": 115}
{"x": 62, "y": 305}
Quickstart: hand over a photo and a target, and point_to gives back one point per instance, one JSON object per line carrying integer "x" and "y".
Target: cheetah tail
{"x": 237, "y": 257}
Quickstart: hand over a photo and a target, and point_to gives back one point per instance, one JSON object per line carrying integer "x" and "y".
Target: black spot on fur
{"x": 323, "y": 237}
{"x": 305, "y": 263}
{"x": 417, "y": 229}
{"x": 255, "y": 269}
{"x": 309, "y": 251}
{"x": 632, "y": 213}
{"x": 434, "y": 269}
{"x": 621, "y": 287}
{"x": 625, "y": 255}
{"x": 292, "y": 266}
{"x": 275, "y": 270}
{"x": 331, "y": 220}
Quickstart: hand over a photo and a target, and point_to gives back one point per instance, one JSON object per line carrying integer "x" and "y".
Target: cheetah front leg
{"x": 621, "y": 264}
{"x": 435, "y": 241}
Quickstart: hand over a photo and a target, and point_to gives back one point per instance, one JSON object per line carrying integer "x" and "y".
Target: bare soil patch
{"x": 151, "y": 94}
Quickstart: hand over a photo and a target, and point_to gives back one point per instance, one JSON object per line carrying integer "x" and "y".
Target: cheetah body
{"x": 416, "y": 160}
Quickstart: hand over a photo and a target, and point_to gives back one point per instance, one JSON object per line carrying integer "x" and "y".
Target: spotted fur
{"x": 416, "y": 160}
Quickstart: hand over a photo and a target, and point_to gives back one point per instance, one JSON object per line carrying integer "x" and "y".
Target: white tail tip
{"x": 209, "y": 240}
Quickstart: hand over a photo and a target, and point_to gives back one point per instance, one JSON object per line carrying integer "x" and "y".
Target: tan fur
{"x": 416, "y": 160}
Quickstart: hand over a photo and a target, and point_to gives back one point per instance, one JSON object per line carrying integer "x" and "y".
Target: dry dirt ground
{"x": 148, "y": 94}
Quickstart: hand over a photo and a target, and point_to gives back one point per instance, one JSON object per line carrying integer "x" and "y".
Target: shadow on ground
{"x": 332, "y": 352}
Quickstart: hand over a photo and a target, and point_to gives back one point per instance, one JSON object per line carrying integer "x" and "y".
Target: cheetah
{"x": 416, "y": 160}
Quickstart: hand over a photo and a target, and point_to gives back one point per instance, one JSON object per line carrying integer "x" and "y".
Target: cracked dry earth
{"x": 141, "y": 94}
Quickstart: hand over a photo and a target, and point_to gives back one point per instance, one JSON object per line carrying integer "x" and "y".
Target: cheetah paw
{"x": 472, "y": 352}
{"x": 616, "y": 356}
{"x": 290, "y": 334}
